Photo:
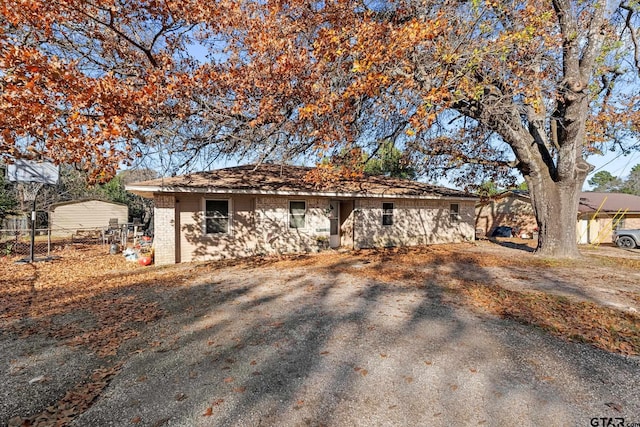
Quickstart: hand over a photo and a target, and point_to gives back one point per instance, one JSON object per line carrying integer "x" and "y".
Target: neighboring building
{"x": 271, "y": 209}
{"x": 598, "y": 214}
{"x": 509, "y": 209}
{"x": 66, "y": 218}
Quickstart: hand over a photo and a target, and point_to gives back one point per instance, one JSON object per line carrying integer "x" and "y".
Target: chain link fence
{"x": 17, "y": 242}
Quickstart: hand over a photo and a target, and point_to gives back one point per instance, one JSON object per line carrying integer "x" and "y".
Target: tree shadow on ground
{"x": 322, "y": 346}
{"x": 512, "y": 245}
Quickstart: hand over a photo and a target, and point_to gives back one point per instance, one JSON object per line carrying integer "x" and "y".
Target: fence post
{"x": 48, "y": 242}
{"x": 32, "y": 249}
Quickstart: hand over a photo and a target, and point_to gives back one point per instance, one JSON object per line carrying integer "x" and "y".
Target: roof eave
{"x": 149, "y": 191}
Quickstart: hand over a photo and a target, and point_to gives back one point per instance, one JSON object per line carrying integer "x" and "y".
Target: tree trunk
{"x": 555, "y": 205}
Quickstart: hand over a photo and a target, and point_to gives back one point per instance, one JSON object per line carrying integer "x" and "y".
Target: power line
{"x": 631, "y": 157}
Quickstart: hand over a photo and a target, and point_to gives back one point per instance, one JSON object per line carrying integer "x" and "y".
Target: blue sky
{"x": 615, "y": 163}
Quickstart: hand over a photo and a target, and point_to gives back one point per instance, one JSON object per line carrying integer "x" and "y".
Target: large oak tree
{"x": 470, "y": 88}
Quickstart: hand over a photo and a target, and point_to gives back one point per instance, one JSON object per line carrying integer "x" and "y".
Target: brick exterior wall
{"x": 164, "y": 232}
{"x": 260, "y": 226}
{"x": 415, "y": 222}
{"x": 510, "y": 211}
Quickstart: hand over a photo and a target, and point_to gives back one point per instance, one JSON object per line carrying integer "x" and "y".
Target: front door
{"x": 334, "y": 224}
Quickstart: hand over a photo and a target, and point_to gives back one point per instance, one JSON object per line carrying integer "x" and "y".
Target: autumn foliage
{"x": 473, "y": 89}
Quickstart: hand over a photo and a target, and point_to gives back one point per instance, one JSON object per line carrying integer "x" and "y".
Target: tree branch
{"x": 632, "y": 32}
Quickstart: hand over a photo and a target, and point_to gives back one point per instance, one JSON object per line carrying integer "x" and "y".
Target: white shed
{"x": 66, "y": 218}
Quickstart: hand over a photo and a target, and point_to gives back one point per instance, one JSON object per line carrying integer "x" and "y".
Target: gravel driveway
{"x": 263, "y": 346}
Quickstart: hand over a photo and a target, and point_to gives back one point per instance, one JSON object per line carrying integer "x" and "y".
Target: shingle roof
{"x": 287, "y": 179}
{"x": 611, "y": 202}
{"x": 591, "y": 202}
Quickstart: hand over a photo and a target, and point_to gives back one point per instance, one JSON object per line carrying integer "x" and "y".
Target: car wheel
{"x": 626, "y": 242}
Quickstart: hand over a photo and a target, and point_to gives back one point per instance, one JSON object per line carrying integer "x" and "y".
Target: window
{"x": 297, "y": 213}
{"x": 387, "y": 214}
{"x": 216, "y": 216}
{"x": 454, "y": 212}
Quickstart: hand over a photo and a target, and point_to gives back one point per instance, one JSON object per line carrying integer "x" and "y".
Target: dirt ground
{"x": 483, "y": 333}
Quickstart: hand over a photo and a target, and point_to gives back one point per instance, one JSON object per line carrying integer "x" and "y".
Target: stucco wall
{"x": 415, "y": 222}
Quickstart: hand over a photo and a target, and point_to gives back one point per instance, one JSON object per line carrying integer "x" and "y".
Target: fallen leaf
{"x": 408, "y": 380}
{"x": 615, "y": 406}
{"x": 228, "y": 380}
{"x": 383, "y": 355}
{"x": 208, "y": 412}
{"x": 136, "y": 420}
{"x": 240, "y": 389}
{"x": 428, "y": 362}
{"x": 218, "y": 402}
{"x": 180, "y": 397}
{"x": 38, "y": 379}
{"x": 253, "y": 363}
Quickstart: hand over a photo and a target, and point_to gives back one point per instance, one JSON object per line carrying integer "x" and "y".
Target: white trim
{"x": 212, "y": 190}
{"x": 335, "y": 240}
{"x": 457, "y": 218}
{"x": 204, "y": 216}
{"x": 306, "y": 211}
{"x": 393, "y": 208}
